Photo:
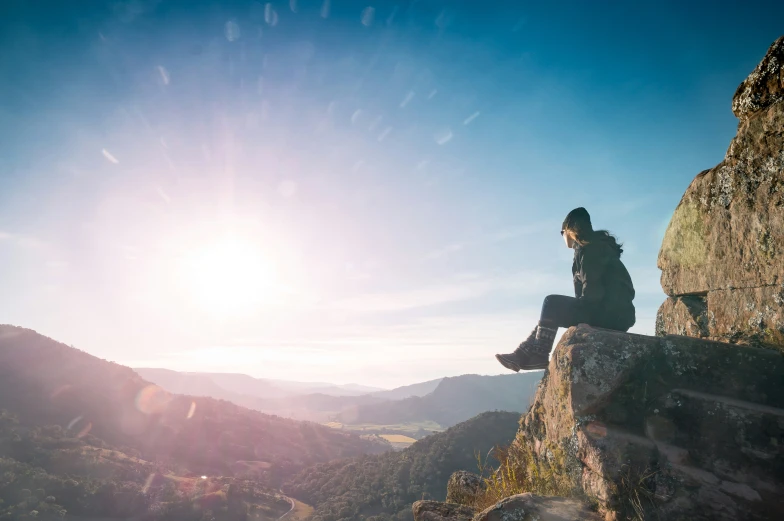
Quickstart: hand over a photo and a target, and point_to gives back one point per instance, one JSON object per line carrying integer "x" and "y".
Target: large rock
{"x": 530, "y": 507}
{"x": 741, "y": 315}
{"x": 764, "y": 86}
{"x": 725, "y": 242}
{"x": 437, "y": 511}
{"x": 463, "y": 487}
{"x": 674, "y": 426}
{"x": 522, "y": 507}
{"x": 680, "y": 427}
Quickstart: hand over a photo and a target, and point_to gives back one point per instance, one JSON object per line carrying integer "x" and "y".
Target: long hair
{"x": 586, "y": 237}
{"x": 578, "y": 222}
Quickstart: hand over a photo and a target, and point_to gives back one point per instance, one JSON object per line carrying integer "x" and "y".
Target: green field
{"x": 400, "y": 435}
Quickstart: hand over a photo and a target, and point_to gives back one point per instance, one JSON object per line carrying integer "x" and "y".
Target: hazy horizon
{"x": 321, "y": 382}
{"x": 339, "y": 191}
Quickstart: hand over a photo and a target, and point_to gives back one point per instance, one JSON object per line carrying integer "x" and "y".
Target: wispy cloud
{"x": 17, "y": 239}
{"x": 514, "y": 232}
{"x": 495, "y": 236}
{"x": 162, "y": 194}
{"x": 446, "y": 250}
{"x": 461, "y": 289}
{"x": 429, "y": 347}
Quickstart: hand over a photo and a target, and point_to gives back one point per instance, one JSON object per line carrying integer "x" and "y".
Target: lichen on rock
{"x": 463, "y": 487}
{"x": 530, "y": 507}
{"x": 436, "y": 511}
{"x": 685, "y": 241}
{"x": 633, "y": 433}
{"x": 764, "y": 86}
{"x": 725, "y": 241}
{"x": 685, "y": 425}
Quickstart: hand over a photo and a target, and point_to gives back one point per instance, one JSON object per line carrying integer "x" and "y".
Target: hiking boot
{"x": 533, "y": 353}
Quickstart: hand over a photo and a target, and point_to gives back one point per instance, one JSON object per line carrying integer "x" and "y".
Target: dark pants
{"x": 563, "y": 311}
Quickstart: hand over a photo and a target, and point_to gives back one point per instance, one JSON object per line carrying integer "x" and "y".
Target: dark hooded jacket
{"x": 603, "y": 285}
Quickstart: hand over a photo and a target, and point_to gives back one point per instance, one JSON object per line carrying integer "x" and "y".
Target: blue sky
{"x": 346, "y": 191}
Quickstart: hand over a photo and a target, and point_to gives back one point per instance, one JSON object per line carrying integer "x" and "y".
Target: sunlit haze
{"x": 343, "y": 191}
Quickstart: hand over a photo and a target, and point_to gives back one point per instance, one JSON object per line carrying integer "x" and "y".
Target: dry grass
{"x": 519, "y": 472}
{"x": 635, "y": 490}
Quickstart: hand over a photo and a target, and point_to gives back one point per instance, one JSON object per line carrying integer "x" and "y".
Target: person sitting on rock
{"x": 603, "y": 293}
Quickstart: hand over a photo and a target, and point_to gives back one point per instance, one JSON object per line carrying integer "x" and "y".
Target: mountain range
{"x": 92, "y": 433}
{"x": 242, "y": 384}
{"x": 445, "y": 401}
{"x": 44, "y": 382}
{"x": 454, "y": 400}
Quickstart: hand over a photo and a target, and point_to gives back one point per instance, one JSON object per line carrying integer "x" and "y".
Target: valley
{"x": 413, "y": 411}
{"x": 85, "y": 439}
{"x": 47, "y": 472}
{"x": 399, "y": 435}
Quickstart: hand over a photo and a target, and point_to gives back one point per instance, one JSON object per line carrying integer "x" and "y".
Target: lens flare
{"x": 60, "y": 390}
{"x": 148, "y": 483}
{"x": 85, "y": 430}
{"x": 152, "y": 400}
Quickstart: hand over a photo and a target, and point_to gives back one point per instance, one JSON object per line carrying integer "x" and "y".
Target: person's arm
{"x": 578, "y": 283}
{"x": 578, "y": 286}
{"x": 593, "y": 268}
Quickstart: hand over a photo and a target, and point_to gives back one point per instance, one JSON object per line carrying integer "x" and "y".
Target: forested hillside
{"x": 49, "y": 472}
{"x": 315, "y": 407}
{"x": 383, "y": 487}
{"x": 45, "y": 382}
{"x": 454, "y": 400}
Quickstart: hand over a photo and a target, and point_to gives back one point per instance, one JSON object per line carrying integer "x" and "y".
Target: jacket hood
{"x": 606, "y": 242}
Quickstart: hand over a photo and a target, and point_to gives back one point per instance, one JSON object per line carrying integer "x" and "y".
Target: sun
{"x": 229, "y": 278}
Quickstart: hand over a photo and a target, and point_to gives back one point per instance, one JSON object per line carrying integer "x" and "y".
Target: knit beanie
{"x": 578, "y": 220}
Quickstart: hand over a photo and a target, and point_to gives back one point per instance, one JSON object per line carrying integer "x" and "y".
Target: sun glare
{"x": 229, "y": 278}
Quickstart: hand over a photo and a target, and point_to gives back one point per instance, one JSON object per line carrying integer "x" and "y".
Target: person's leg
{"x": 620, "y": 318}
{"x": 561, "y": 311}
{"x": 534, "y": 352}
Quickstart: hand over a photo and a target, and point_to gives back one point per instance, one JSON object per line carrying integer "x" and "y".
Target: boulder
{"x": 686, "y": 425}
{"x": 530, "y": 507}
{"x": 764, "y": 86}
{"x": 438, "y": 511}
{"x": 463, "y": 487}
{"x": 724, "y": 246}
{"x": 674, "y": 426}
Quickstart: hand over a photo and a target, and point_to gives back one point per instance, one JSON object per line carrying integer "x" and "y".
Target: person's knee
{"x": 551, "y": 300}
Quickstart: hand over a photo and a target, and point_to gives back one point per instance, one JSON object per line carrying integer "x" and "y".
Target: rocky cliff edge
{"x": 722, "y": 254}
{"x": 686, "y": 425}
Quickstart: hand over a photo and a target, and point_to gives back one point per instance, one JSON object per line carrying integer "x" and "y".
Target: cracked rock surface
{"x": 722, "y": 257}
{"x": 691, "y": 427}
